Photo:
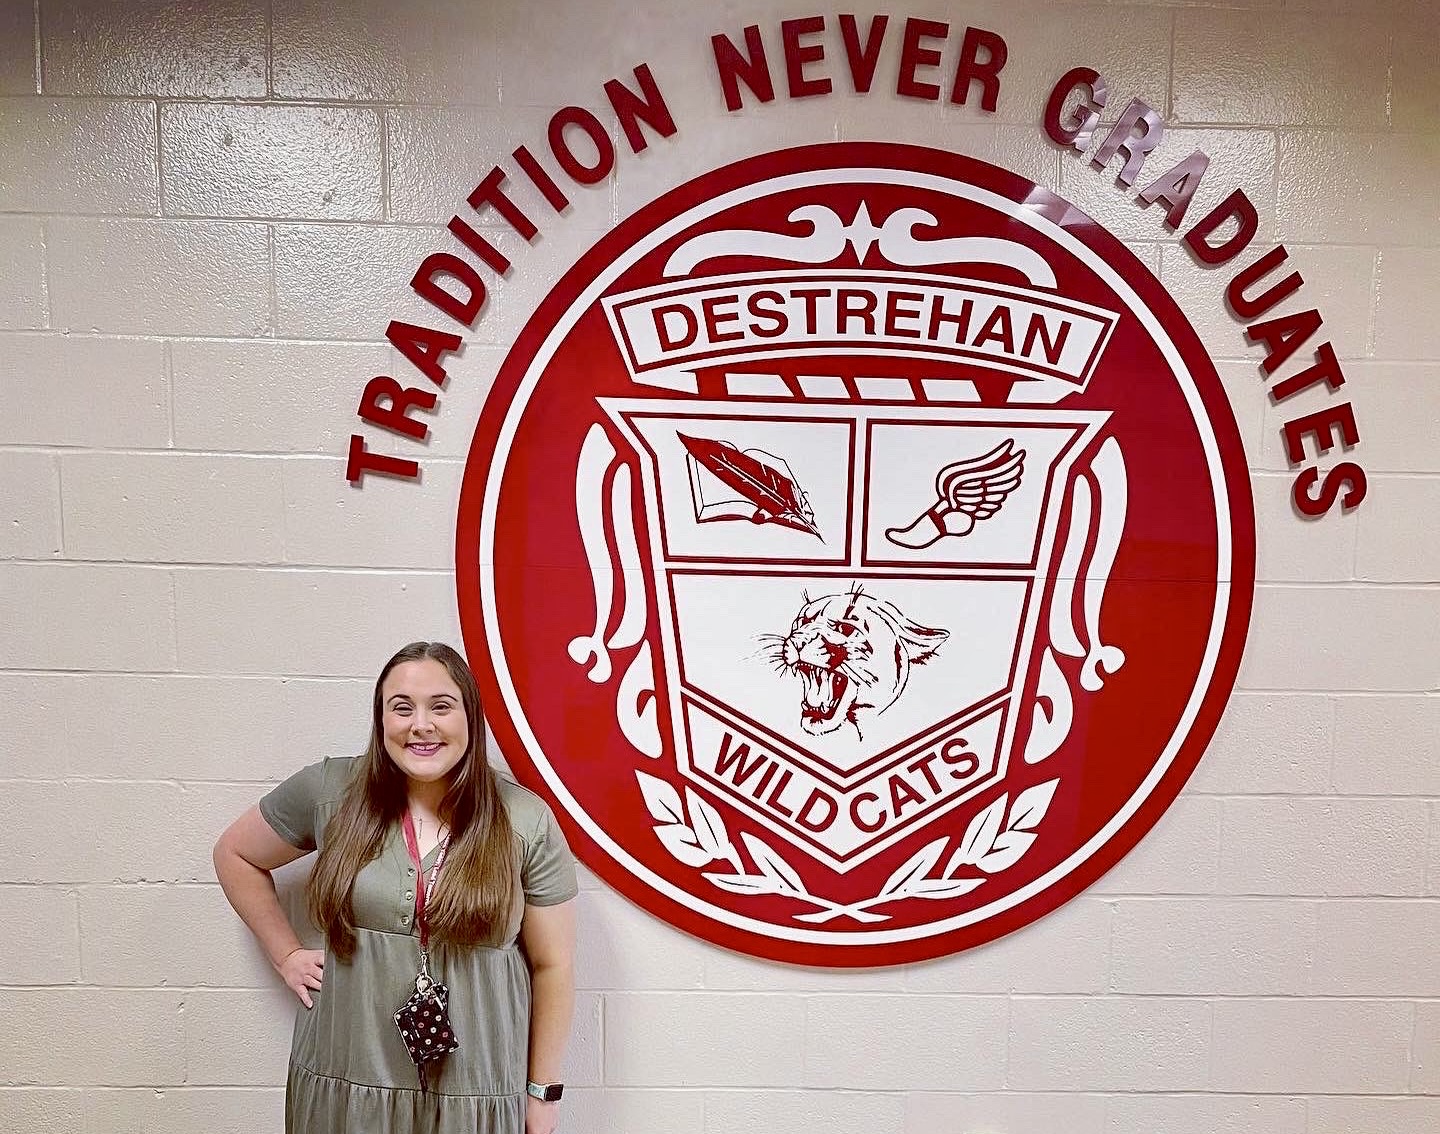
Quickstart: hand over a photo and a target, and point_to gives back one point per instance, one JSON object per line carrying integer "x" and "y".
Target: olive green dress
{"x": 349, "y": 1071}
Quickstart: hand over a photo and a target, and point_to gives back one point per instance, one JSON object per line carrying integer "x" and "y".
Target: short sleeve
{"x": 290, "y": 807}
{"x": 548, "y": 872}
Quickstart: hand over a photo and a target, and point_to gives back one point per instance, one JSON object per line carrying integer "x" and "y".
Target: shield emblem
{"x": 849, "y": 595}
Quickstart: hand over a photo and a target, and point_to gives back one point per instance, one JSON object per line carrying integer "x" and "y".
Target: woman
{"x": 420, "y": 806}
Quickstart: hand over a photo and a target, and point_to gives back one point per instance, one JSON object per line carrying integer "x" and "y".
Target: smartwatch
{"x": 545, "y": 1092}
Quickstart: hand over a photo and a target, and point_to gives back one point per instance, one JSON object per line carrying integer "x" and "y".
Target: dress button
{"x": 410, "y": 871}
{"x": 409, "y": 895}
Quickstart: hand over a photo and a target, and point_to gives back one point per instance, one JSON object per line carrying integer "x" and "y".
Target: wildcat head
{"x": 852, "y": 653}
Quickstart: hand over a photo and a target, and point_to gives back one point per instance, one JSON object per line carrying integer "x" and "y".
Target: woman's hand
{"x": 301, "y": 971}
{"x": 540, "y": 1116}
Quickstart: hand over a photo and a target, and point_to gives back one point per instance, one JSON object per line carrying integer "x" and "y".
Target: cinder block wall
{"x": 208, "y": 214}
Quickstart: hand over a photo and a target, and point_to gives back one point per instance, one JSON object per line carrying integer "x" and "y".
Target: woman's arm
{"x": 244, "y": 857}
{"x": 548, "y": 934}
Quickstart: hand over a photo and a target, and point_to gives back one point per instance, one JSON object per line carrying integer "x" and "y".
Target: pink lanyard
{"x": 423, "y": 889}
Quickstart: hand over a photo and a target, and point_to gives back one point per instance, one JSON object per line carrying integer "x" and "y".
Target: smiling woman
{"x": 433, "y": 874}
{"x": 426, "y": 732}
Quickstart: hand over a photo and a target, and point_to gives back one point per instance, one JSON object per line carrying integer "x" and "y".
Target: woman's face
{"x": 423, "y": 718}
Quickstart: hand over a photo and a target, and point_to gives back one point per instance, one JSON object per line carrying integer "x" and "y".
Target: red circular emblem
{"x": 857, "y": 550}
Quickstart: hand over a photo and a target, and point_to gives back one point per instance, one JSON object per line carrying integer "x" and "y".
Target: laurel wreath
{"x": 693, "y": 831}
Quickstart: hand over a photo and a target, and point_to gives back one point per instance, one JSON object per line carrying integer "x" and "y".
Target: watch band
{"x": 545, "y": 1092}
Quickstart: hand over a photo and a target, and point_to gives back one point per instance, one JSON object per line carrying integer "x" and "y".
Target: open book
{"x": 728, "y": 483}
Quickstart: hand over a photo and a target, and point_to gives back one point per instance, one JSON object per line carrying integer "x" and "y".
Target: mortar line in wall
{"x": 1390, "y": 79}
{"x": 271, "y": 567}
{"x": 367, "y": 679}
{"x": 1386, "y": 475}
{"x": 302, "y": 102}
{"x": 1285, "y": 691}
{"x": 148, "y": 1091}
{"x": 1113, "y": 898}
{"x": 39, "y": 48}
{"x": 142, "y": 781}
{"x": 434, "y": 227}
{"x": 1102, "y": 1093}
{"x": 159, "y": 1089}
{"x": 1267, "y": 899}
{"x": 178, "y": 884}
{"x": 1170, "y": 76}
{"x": 1312, "y": 796}
{"x": 218, "y": 454}
{"x": 1395, "y": 998}
{"x": 222, "y": 339}
{"x": 1389, "y": 474}
{"x": 1340, "y": 584}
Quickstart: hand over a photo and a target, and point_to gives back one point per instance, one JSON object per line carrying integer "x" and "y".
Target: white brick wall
{"x": 148, "y": 277}
{"x": 23, "y": 293}
{"x": 81, "y": 156}
{"x": 208, "y": 212}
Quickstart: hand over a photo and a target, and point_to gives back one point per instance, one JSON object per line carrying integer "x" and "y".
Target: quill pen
{"x": 776, "y": 497}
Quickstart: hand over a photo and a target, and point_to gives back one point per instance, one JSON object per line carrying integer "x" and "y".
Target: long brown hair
{"x": 473, "y": 897}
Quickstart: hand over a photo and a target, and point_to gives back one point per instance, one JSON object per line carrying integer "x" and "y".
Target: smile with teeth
{"x": 425, "y": 748}
{"x": 823, "y": 693}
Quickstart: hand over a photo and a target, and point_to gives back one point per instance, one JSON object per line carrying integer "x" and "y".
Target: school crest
{"x": 858, "y": 552}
